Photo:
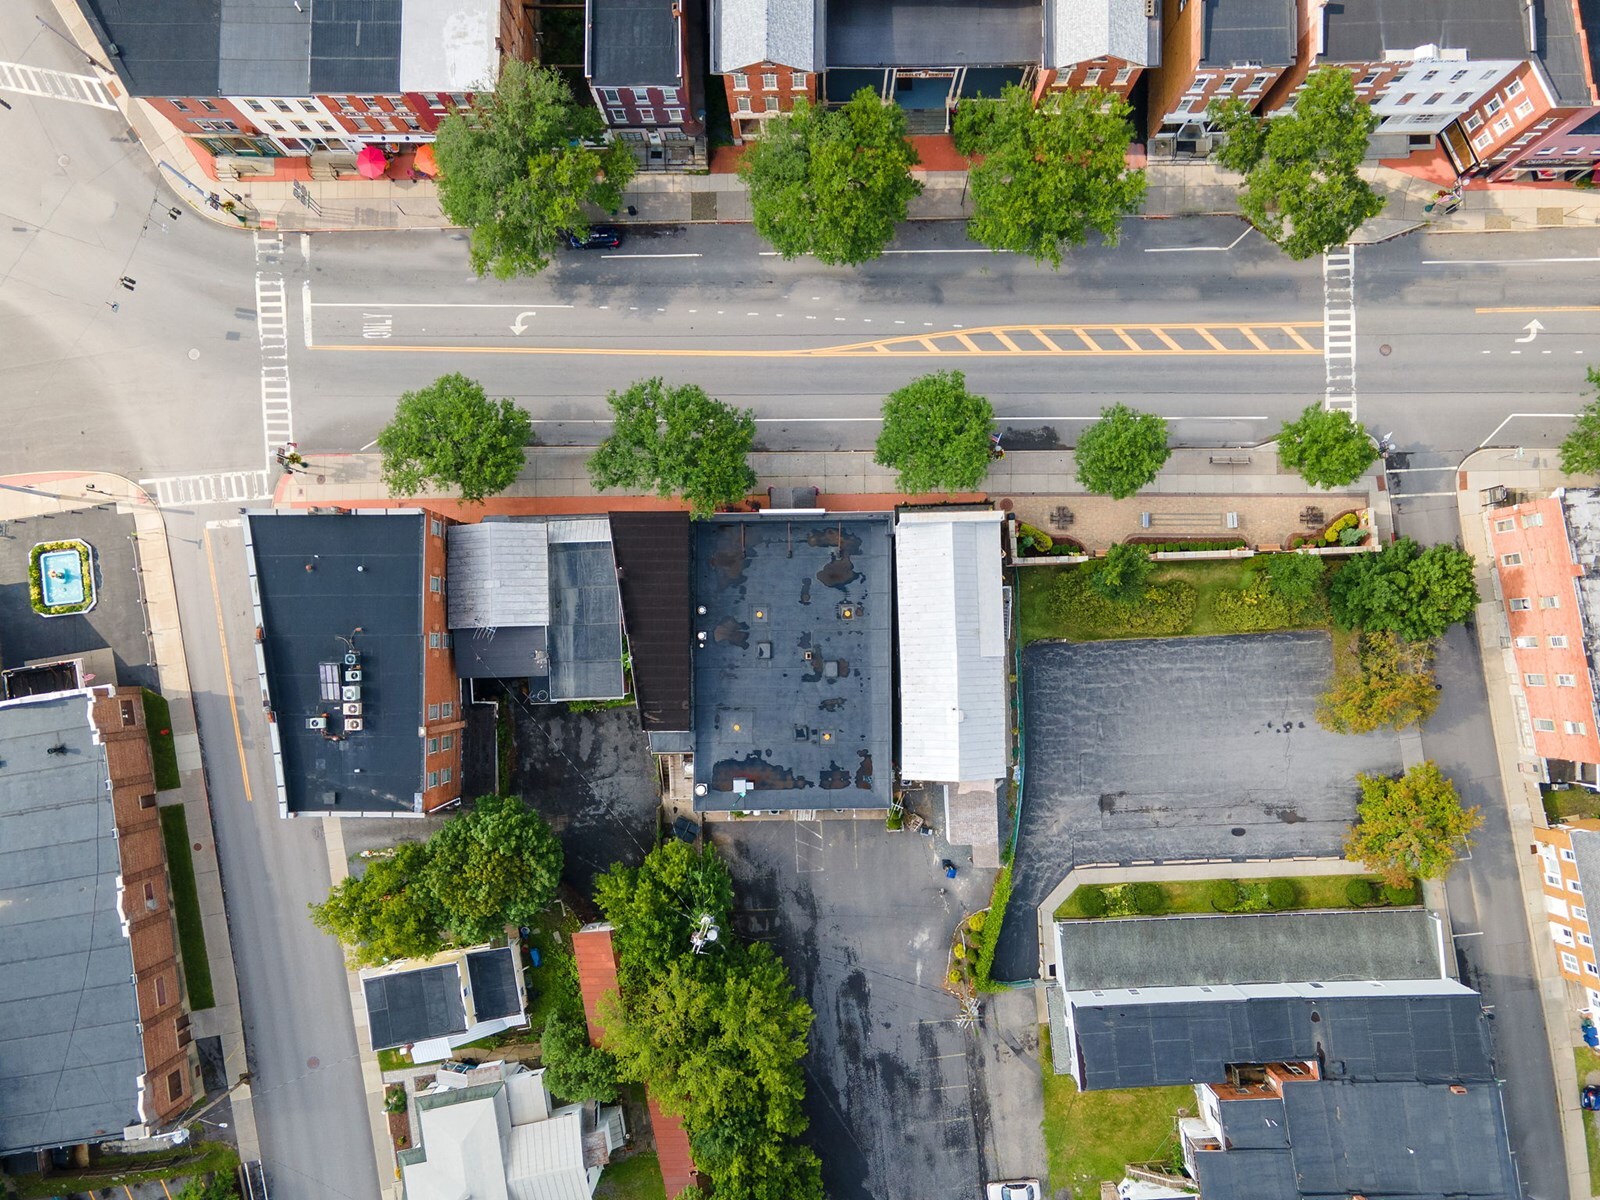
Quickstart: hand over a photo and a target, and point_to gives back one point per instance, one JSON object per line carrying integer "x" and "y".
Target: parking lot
{"x": 904, "y": 1103}
{"x": 1177, "y": 749}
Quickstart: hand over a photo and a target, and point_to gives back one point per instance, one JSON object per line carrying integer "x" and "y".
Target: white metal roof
{"x": 499, "y": 575}
{"x": 747, "y": 32}
{"x": 448, "y": 45}
{"x": 1083, "y": 30}
{"x": 950, "y": 608}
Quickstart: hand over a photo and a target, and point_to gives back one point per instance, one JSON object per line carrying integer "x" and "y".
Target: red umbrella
{"x": 372, "y": 162}
{"x": 425, "y": 163}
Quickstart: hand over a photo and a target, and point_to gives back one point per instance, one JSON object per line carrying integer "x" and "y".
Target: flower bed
{"x": 36, "y": 579}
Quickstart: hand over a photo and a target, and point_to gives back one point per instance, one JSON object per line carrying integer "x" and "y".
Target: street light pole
{"x": 89, "y": 58}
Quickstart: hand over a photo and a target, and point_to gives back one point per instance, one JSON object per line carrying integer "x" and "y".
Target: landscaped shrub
{"x": 989, "y": 936}
{"x": 1352, "y": 537}
{"x": 1225, "y": 895}
{"x": 1033, "y": 540}
{"x": 1280, "y": 894}
{"x": 1185, "y": 545}
{"x": 1165, "y": 608}
{"x": 1360, "y": 892}
{"x": 1399, "y": 895}
{"x": 1067, "y": 546}
{"x": 1145, "y": 897}
{"x": 1253, "y": 609}
{"x": 1349, "y": 521}
{"x": 1092, "y": 901}
{"x": 1122, "y": 575}
{"x": 975, "y": 922}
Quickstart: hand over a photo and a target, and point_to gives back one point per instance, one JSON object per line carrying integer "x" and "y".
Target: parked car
{"x": 601, "y": 237}
{"x": 1014, "y": 1189}
{"x": 1590, "y": 1099}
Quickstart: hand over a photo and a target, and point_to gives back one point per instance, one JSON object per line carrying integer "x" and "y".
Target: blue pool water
{"x": 61, "y": 577}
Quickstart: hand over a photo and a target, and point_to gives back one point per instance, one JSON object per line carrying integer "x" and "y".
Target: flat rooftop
{"x": 328, "y": 584}
{"x": 793, "y": 699}
{"x": 1255, "y": 31}
{"x": 934, "y": 33}
{"x": 71, "y": 1053}
{"x": 1366, "y": 30}
{"x": 633, "y": 43}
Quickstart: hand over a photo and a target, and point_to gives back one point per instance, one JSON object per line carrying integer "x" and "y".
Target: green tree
{"x": 493, "y": 866}
{"x": 655, "y": 906}
{"x": 518, "y": 167}
{"x": 1405, "y": 590}
{"x": 1123, "y": 574}
{"x": 450, "y": 435}
{"x": 832, "y": 183}
{"x": 1297, "y": 578}
{"x": 1410, "y": 826}
{"x": 573, "y": 1069}
{"x": 1302, "y": 183}
{"x": 1051, "y": 171}
{"x": 1326, "y": 446}
{"x": 1121, "y": 452}
{"x": 1580, "y": 449}
{"x": 1390, "y": 684}
{"x": 936, "y": 434}
{"x": 677, "y": 441}
{"x": 387, "y": 912}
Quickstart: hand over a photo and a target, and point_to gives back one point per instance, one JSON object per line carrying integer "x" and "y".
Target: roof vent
{"x": 316, "y": 722}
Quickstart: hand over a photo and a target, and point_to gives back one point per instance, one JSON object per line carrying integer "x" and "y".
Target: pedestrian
{"x": 114, "y": 306}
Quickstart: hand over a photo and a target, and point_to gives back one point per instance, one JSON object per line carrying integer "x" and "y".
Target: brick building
{"x": 1569, "y": 859}
{"x": 246, "y": 80}
{"x": 86, "y": 1057}
{"x": 637, "y": 61}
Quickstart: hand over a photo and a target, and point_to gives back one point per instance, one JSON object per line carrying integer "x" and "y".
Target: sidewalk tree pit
{"x": 61, "y": 578}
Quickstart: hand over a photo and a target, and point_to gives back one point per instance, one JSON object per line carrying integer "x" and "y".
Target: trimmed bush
{"x": 1146, "y": 898}
{"x": 975, "y": 922}
{"x": 1033, "y": 540}
{"x": 1331, "y": 535}
{"x": 1225, "y": 895}
{"x": 1280, "y": 895}
{"x": 1360, "y": 892}
{"x": 1399, "y": 895}
{"x": 1185, "y": 545}
{"x": 1092, "y": 901}
{"x": 990, "y": 934}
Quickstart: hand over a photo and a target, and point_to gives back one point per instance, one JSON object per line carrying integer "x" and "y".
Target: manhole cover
{"x": 197, "y": 845}
{"x": 1386, "y": 349}
{"x": 1236, "y": 831}
{"x": 313, "y": 1063}
{"x": 193, "y": 354}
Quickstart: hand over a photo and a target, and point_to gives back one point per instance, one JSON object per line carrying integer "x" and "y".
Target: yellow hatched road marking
{"x": 1162, "y": 334}
{"x": 1290, "y": 330}
{"x": 1206, "y": 333}
{"x": 1007, "y": 342}
{"x": 969, "y": 343}
{"x": 1088, "y": 341}
{"x": 1251, "y": 334}
{"x": 1048, "y": 344}
{"x": 1130, "y": 343}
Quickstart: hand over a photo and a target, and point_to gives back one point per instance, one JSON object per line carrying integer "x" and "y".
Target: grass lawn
{"x": 158, "y": 725}
{"x": 1564, "y": 803}
{"x": 1588, "y": 1060}
{"x": 554, "y": 982}
{"x": 186, "y": 906}
{"x": 637, "y": 1177}
{"x": 1091, "y": 1137}
{"x": 1207, "y": 578}
{"x": 1193, "y": 895}
{"x": 110, "y": 1171}
{"x": 393, "y": 1060}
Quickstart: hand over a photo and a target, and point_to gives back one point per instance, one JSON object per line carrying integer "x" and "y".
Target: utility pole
{"x": 89, "y": 58}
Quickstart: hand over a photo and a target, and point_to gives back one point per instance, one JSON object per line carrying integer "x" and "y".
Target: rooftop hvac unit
{"x": 354, "y": 725}
{"x": 352, "y": 691}
{"x": 352, "y": 675}
{"x": 353, "y": 709}
{"x": 1162, "y": 148}
{"x": 352, "y": 659}
{"x": 316, "y": 722}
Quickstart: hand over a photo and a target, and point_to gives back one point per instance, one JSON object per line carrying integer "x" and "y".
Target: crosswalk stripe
{"x": 218, "y": 487}
{"x": 55, "y": 85}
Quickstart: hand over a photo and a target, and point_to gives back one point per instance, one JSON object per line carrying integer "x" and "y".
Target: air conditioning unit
{"x": 316, "y": 722}
{"x": 354, "y": 725}
{"x": 352, "y": 691}
{"x": 352, "y": 709}
{"x": 353, "y": 675}
{"x": 352, "y": 659}
{"x": 1162, "y": 148}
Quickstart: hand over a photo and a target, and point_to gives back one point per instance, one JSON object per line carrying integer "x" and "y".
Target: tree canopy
{"x": 1302, "y": 185}
{"x": 573, "y": 1069}
{"x": 1410, "y": 826}
{"x": 832, "y": 183}
{"x": 1580, "y": 449}
{"x": 654, "y": 907}
{"x": 1121, "y": 452}
{"x": 1382, "y": 682}
{"x": 517, "y": 168}
{"x": 1326, "y": 446}
{"x": 1297, "y": 578}
{"x": 387, "y": 912}
{"x": 493, "y": 866}
{"x": 1404, "y": 589}
{"x": 450, "y": 435}
{"x": 677, "y": 441}
{"x": 1051, "y": 171}
{"x": 1123, "y": 574}
{"x": 936, "y": 434}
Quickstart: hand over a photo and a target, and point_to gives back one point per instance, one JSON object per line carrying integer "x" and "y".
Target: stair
{"x": 921, "y": 122}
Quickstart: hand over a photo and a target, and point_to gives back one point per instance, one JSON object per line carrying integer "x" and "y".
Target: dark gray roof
{"x": 504, "y": 654}
{"x": 306, "y": 615}
{"x": 493, "y": 976}
{"x": 792, "y": 683}
{"x": 632, "y": 43}
{"x": 71, "y": 1054}
{"x": 585, "y": 622}
{"x": 1586, "y": 857}
{"x": 1561, "y": 45}
{"x": 934, "y": 33}
{"x": 1358, "y": 31}
{"x": 1258, "y": 31}
{"x": 652, "y": 550}
{"x": 1336, "y": 1138}
{"x": 166, "y": 47}
{"x": 355, "y": 45}
{"x": 412, "y": 1006}
{"x": 1143, "y": 1042}
{"x": 1245, "y": 948}
{"x": 264, "y": 48}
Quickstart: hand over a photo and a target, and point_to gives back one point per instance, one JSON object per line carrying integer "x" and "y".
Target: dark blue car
{"x": 601, "y": 237}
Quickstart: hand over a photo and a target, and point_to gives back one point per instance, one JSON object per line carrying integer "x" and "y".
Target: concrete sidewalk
{"x": 29, "y": 495}
{"x": 1538, "y": 472}
{"x": 1175, "y": 189}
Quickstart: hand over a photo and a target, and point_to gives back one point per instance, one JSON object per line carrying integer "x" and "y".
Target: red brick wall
{"x": 763, "y": 100}
{"x": 1100, "y": 73}
{"x": 440, "y": 685}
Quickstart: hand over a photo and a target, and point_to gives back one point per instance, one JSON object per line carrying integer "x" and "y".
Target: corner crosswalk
{"x": 222, "y": 487}
{"x": 55, "y": 85}
{"x": 1339, "y": 327}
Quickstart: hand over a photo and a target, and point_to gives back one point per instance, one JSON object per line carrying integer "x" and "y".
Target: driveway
{"x": 1175, "y": 749}
{"x": 896, "y": 1090}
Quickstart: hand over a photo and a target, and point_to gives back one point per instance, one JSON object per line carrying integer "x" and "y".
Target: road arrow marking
{"x": 1533, "y": 328}
{"x": 521, "y": 327}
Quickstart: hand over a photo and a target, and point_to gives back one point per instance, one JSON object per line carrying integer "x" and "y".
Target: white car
{"x": 1014, "y": 1189}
